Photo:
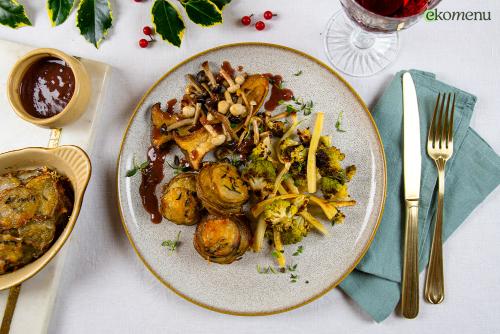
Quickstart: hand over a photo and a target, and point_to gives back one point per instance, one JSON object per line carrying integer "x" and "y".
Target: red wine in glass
{"x": 394, "y": 8}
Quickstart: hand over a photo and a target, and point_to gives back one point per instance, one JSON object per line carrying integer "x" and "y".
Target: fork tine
{"x": 444, "y": 132}
{"x": 439, "y": 129}
{"x": 432, "y": 128}
{"x": 450, "y": 131}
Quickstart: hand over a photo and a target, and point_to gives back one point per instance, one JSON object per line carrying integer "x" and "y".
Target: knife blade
{"x": 412, "y": 161}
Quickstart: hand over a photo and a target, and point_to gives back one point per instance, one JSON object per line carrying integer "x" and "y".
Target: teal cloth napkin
{"x": 471, "y": 174}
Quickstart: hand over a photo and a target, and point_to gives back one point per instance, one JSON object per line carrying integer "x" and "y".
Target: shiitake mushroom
{"x": 222, "y": 239}
{"x": 179, "y": 202}
{"x": 220, "y": 188}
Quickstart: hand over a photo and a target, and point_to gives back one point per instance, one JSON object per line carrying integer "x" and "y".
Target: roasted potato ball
{"x": 179, "y": 202}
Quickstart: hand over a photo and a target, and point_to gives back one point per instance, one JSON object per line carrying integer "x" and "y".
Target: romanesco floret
{"x": 279, "y": 214}
{"x": 328, "y": 160}
{"x": 293, "y": 151}
{"x": 262, "y": 150}
{"x": 333, "y": 188}
{"x": 260, "y": 175}
{"x": 298, "y": 230}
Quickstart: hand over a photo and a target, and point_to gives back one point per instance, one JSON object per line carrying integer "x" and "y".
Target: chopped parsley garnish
{"x": 266, "y": 270}
{"x": 299, "y": 251}
{"x": 136, "y": 168}
{"x": 171, "y": 245}
{"x": 291, "y": 267}
{"x": 293, "y": 278}
{"x": 298, "y": 106}
{"x": 298, "y": 73}
{"x": 338, "y": 123}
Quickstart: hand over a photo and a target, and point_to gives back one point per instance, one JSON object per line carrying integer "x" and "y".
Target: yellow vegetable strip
{"x": 314, "y": 222}
{"x": 311, "y": 156}
{"x": 279, "y": 178}
{"x": 257, "y": 209}
{"x": 341, "y": 204}
{"x": 328, "y": 209}
{"x": 259, "y": 234}
{"x": 290, "y": 184}
{"x": 278, "y": 245}
{"x": 282, "y": 190}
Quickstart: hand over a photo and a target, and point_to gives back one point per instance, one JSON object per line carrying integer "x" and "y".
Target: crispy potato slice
{"x": 47, "y": 188}
{"x": 8, "y": 182}
{"x": 11, "y": 252}
{"x": 38, "y": 233}
{"x": 17, "y": 206}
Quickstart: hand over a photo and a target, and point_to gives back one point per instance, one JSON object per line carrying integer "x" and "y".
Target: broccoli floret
{"x": 262, "y": 150}
{"x": 328, "y": 160}
{"x": 333, "y": 188}
{"x": 350, "y": 171}
{"x": 293, "y": 151}
{"x": 260, "y": 175}
{"x": 298, "y": 230}
{"x": 279, "y": 214}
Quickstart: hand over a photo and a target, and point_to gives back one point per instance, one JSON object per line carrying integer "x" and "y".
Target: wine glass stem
{"x": 362, "y": 39}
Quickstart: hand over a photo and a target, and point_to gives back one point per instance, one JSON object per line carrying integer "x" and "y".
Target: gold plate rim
{"x": 365, "y": 249}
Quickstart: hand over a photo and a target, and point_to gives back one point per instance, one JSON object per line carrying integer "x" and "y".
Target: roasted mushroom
{"x": 256, "y": 88}
{"x": 197, "y": 144}
{"x": 160, "y": 121}
{"x": 220, "y": 188}
{"x": 222, "y": 239}
{"x": 179, "y": 203}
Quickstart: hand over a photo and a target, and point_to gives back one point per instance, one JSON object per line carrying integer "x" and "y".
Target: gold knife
{"x": 412, "y": 160}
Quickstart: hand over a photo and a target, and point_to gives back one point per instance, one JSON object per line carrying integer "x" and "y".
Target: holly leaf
{"x": 59, "y": 10}
{"x": 221, "y": 3}
{"x": 168, "y": 22}
{"x": 203, "y": 12}
{"x": 94, "y": 18}
{"x": 12, "y": 14}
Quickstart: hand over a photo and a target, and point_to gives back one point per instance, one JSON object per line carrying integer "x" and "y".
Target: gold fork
{"x": 439, "y": 148}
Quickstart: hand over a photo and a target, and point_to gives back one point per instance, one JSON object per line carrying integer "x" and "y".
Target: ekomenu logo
{"x": 436, "y": 15}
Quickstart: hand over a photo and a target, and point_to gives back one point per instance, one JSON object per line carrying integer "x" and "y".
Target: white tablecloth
{"x": 106, "y": 289}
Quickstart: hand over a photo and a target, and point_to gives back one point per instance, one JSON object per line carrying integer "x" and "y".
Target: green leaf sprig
{"x": 136, "y": 168}
{"x": 338, "y": 123}
{"x": 171, "y": 245}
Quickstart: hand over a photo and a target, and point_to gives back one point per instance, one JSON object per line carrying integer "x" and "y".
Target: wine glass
{"x": 362, "y": 39}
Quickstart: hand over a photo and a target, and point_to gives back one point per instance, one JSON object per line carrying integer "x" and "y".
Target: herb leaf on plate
{"x": 203, "y": 12}
{"x": 171, "y": 245}
{"x": 338, "y": 123}
{"x": 12, "y": 14}
{"x": 168, "y": 22}
{"x": 59, "y": 10}
{"x": 94, "y": 18}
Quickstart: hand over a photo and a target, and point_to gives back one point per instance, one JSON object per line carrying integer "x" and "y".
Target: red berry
{"x": 260, "y": 25}
{"x": 268, "y": 15}
{"x": 143, "y": 43}
{"x": 147, "y": 31}
{"x": 138, "y": 0}
{"x": 246, "y": 20}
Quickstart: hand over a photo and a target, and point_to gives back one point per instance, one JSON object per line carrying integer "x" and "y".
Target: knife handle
{"x": 409, "y": 288}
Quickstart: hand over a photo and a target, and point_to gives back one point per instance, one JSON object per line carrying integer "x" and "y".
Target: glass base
{"x": 357, "y": 52}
